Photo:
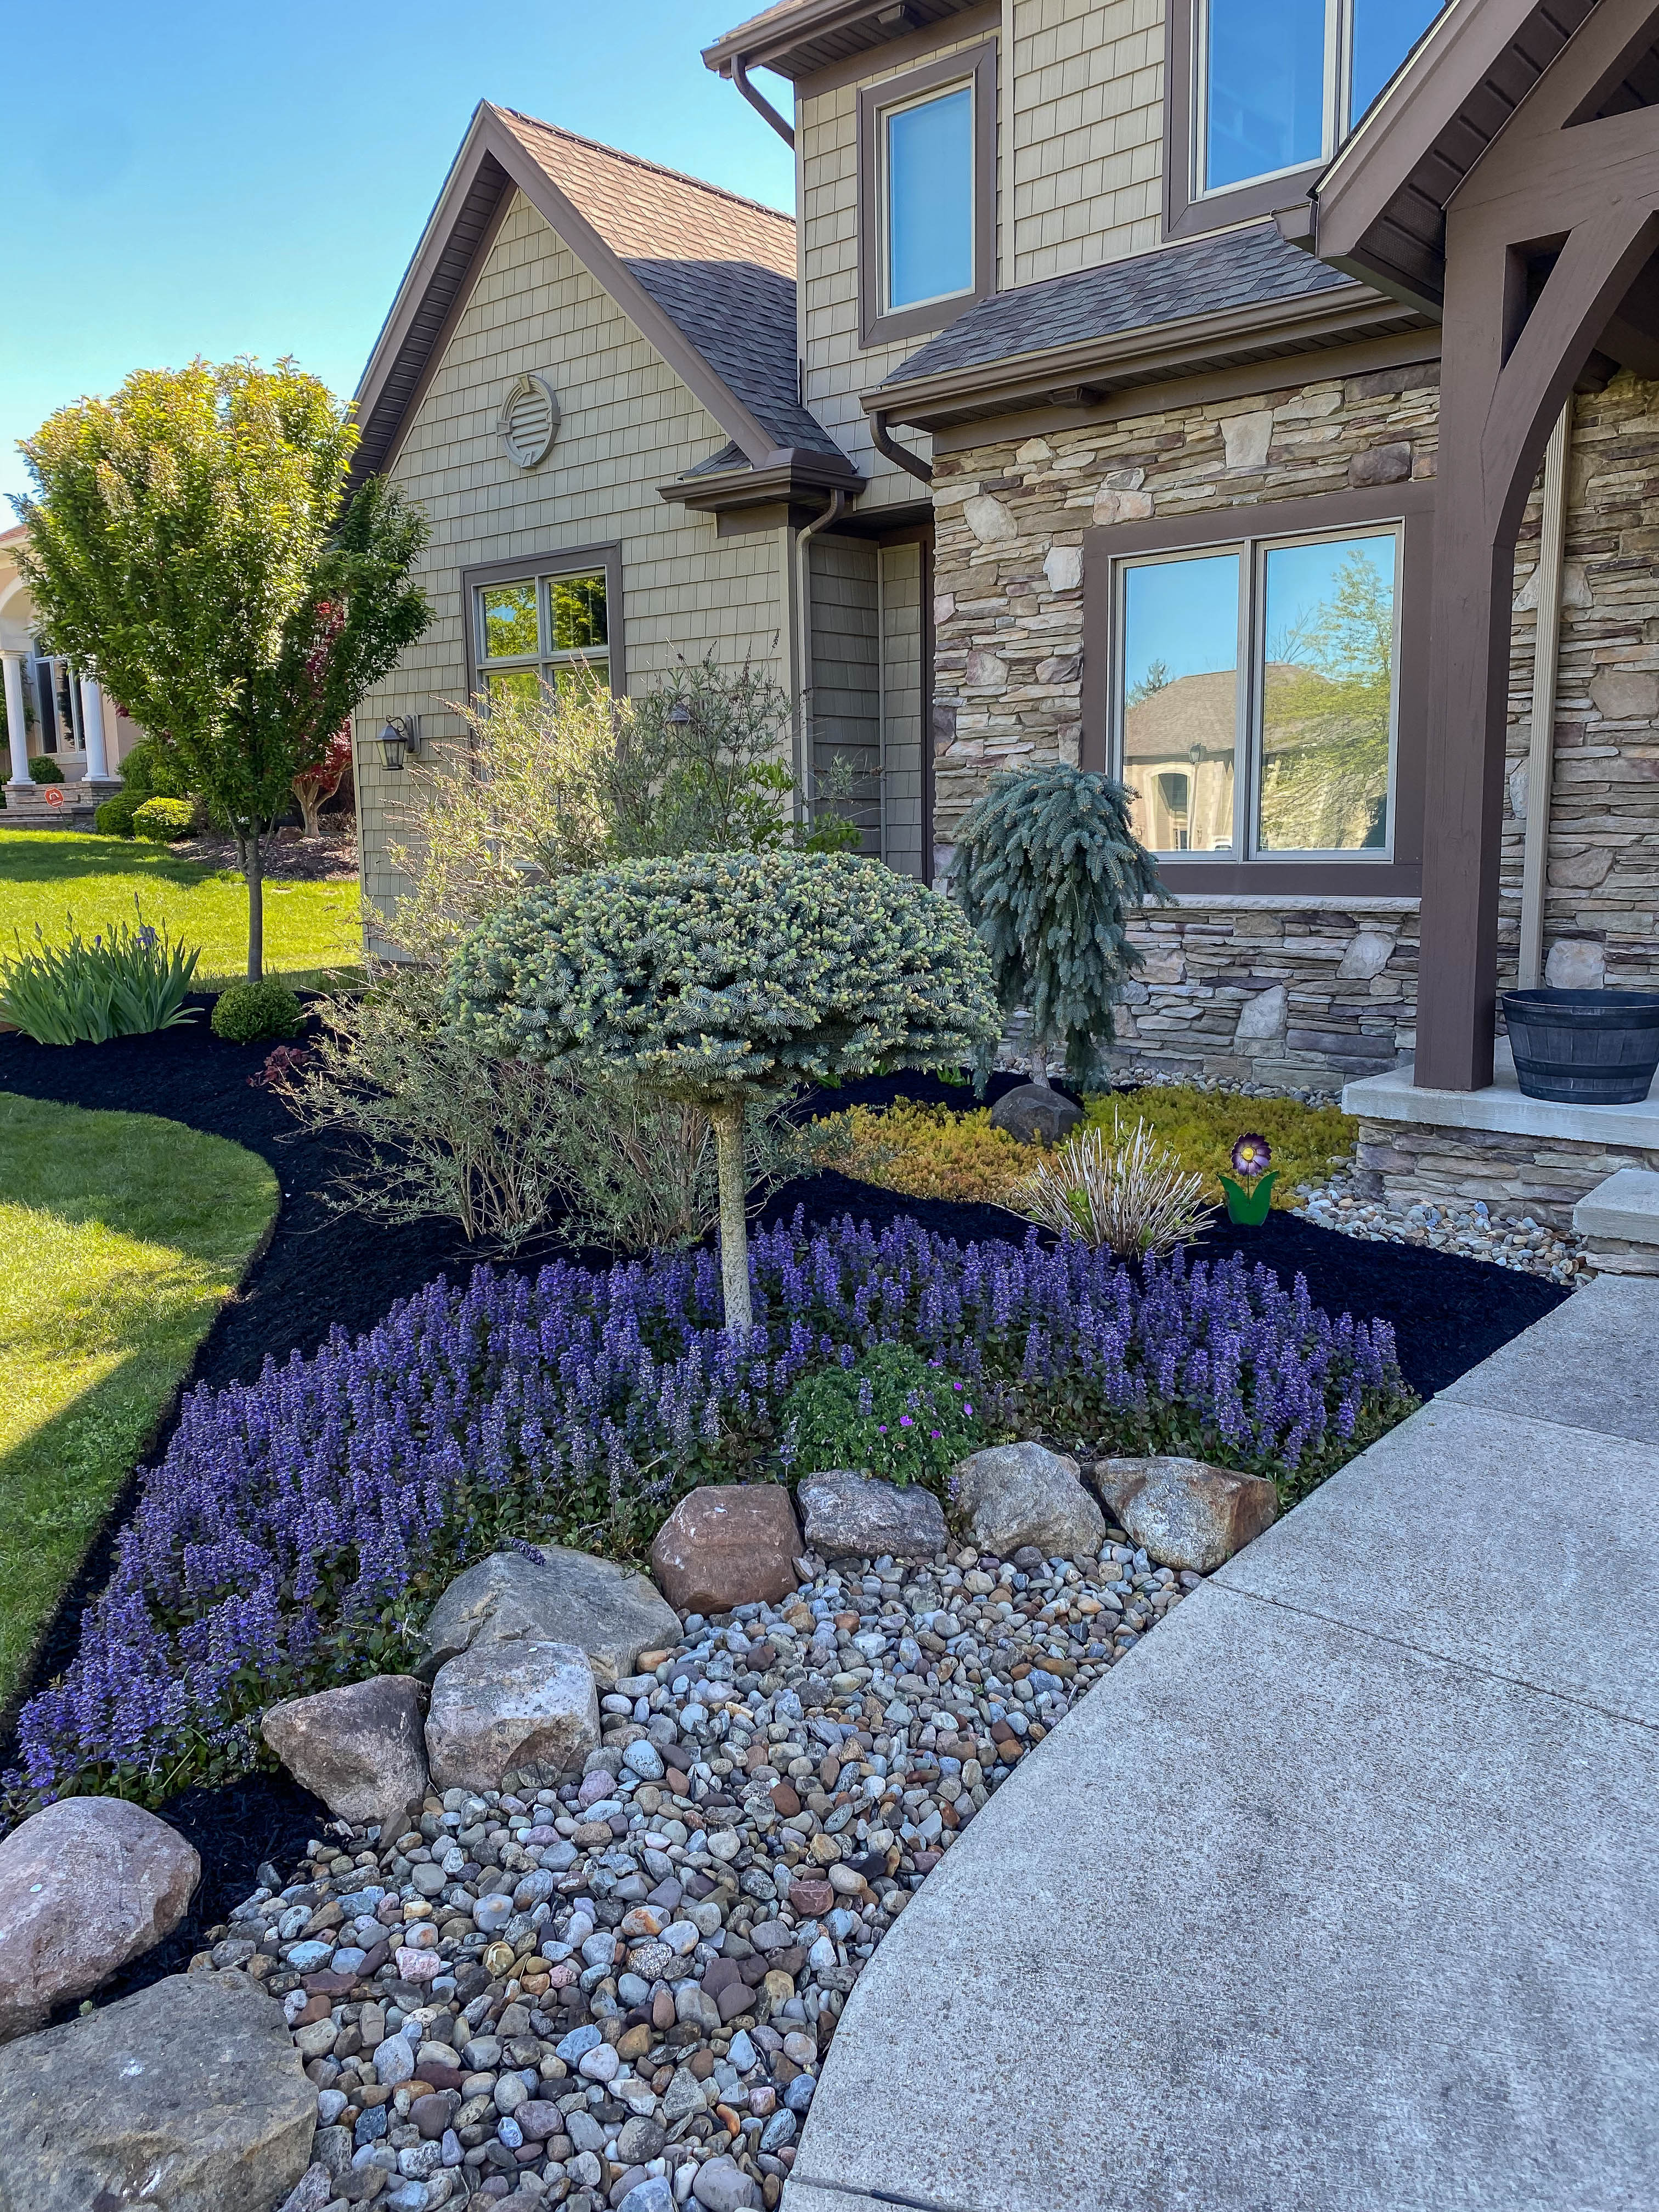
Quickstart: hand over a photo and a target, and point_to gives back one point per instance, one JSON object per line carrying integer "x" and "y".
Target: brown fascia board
{"x": 1399, "y": 136}
{"x": 790, "y": 476}
{"x": 795, "y": 44}
{"x": 491, "y": 140}
{"x": 1069, "y": 375}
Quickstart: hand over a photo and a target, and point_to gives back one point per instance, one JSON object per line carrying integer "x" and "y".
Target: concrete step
{"x": 1620, "y": 1220}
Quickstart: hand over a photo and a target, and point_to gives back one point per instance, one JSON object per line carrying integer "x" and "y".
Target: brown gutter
{"x": 1086, "y": 371}
{"x": 894, "y": 451}
{"x": 762, "y": 106}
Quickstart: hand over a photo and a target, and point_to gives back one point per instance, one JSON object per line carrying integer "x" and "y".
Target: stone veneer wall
{"x": 1284, "y": 990}
{"x": 1405, "y": 1161}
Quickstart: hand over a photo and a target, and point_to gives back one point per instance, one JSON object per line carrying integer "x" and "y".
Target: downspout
{"x": 831, "y": 515}
{"x": 759, "y": 102}
{"x": 1540, "y": 751}
{"x": 900, "y": 455}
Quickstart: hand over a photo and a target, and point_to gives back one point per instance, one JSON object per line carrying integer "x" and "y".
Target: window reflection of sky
{"x": 1183, "y": 614}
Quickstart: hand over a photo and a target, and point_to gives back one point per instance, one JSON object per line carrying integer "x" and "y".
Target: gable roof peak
{"x": 513, "y": 116}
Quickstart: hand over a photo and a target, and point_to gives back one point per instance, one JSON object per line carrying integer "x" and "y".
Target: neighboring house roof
{"x": 1240, "y": 295}
{"x": 797, "y": 36}
{"x": 1378, "y": 211}
{"x": 707, "y": 276}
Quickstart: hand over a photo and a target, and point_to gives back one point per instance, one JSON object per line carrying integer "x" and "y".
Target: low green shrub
{"x": 163, "y": 820}
{"x": 1202, "y": 1126}
{"x": 248, "y": 1013}
{"x": 44, "y": 769}
{"x": 114, "y": 816}
{"x": 125, "y": 985}
{"x": 149, "y": 771}
{"x": 892, "y": 1414}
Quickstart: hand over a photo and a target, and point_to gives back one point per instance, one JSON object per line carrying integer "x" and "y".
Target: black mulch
{"x": 323, "y": 1269}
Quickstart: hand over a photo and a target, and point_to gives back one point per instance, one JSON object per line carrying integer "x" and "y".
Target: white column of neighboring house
{"x": 91, "y": 721}
{"x": 16, "y": 726}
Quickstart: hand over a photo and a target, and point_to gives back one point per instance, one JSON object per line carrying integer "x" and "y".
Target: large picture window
{"x": 1254, "y": 707}
{"x": 550, "y": 628}
{"x": 927, "y": 195}
{"x": 1262, "y": 93}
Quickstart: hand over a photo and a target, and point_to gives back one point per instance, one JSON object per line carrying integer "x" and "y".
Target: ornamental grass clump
{"x": 299, "y": 1527}
{"x": 1127, "y": 1192}
{"x": 126, "y": 984}
{"x": 726, "y": 982}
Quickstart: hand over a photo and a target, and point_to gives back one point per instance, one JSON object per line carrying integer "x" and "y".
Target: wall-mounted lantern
{"x": 401, "y": 734}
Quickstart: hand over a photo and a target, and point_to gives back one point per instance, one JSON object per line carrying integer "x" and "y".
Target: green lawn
{"x": 123, "y": 1234}
{"x": 45, "y": 875}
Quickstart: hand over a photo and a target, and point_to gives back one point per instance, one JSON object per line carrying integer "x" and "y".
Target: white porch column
{"x": 91, "y": 719}
{"x": 16, "y": 728}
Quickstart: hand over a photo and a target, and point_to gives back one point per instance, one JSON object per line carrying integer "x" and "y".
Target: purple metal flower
{"x": 1252, "y": 1156}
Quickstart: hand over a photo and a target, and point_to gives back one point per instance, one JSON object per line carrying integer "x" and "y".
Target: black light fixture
{"x": 401, "y": 733}
{"x": 679, "y": 714}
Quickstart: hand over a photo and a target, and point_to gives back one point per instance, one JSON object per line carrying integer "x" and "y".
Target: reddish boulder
{"x": 726, "y": 1545}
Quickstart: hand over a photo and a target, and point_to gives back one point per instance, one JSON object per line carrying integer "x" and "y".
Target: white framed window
{"x": 1278, "y": 84}
{"x": 551, "y": 627}
{"x": 1254, "y": 707}
{"x": 925, "y": 167}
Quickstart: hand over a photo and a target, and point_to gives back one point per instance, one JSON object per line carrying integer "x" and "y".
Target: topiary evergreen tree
{"x": 1048, "y": 873}
{"x": 727, "y": 980}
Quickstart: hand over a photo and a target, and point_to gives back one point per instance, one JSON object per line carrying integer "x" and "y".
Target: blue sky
{"x": 185, "y": 178}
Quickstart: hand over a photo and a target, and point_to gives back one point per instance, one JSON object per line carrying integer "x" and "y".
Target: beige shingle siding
{"x": 628, "y": 424}
{"x": 1088, "y": 127}
{"x": 900, "y": 573}
{"x": 837, "y": 368}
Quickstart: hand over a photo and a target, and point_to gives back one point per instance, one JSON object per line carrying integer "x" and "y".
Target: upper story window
{"x": 927, "y": 199}
{"x": 1262, "y": 93}
{"x": 927, "y": 195}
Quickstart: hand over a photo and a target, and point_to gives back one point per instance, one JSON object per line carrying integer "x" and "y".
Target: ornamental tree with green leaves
{"x": 1049, "y": 874}
{"x": 190, "y": 539}
{"x": 726, "y": 980}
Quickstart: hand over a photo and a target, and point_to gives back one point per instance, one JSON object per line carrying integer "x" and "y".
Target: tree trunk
{"x": 735, "y": 1225}
{"x": 311, "y": 807}
{"x": 1040, "y": 1061}
{"x": 256, "y": 908}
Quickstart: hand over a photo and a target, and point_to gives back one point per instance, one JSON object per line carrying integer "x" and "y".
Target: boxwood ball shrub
{"x": 726, "y": 979}
{"x": 44, "y": 769}
{"x": 112, "y": 818}
{"x": 164, "y": 820}
{"x": 299, "y": 1527}
{"x": 248, "y": 1013}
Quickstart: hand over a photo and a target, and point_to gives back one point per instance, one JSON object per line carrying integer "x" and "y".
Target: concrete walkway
{"x": 1341, "y": 1892}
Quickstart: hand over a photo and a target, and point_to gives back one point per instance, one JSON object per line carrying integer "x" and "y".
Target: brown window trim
{"x": 1184, "y": 216}
{"x": 1410, "y": 504}
{"x": 558, "y": 560}
{"x": 978, "y": 63}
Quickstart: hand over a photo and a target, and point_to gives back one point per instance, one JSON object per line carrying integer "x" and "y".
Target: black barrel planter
{"x": 1584, "y": 1048}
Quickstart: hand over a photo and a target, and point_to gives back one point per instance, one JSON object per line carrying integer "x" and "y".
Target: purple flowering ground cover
{"x": 299, "y": 1526}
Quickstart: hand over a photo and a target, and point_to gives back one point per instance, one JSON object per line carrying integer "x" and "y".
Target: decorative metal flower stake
{"x": 1250, "y": 1197}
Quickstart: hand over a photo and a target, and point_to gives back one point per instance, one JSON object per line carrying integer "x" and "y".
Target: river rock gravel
{"x": 617, "y": 1990}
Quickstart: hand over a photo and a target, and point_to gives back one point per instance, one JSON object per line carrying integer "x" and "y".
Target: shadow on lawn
{"x": 57, "y": 856}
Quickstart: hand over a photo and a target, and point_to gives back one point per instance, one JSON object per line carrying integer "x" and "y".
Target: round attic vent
{"x": 529, "y": 421}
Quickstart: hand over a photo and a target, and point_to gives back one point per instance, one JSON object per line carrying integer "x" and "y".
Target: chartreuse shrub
{"x": 1200, "y": 1127}
{"x": 926, "y": 1151}
{"x": 124, "y": 1235}
{"x": 247, "y": 1014}
{"x": 130, "y": 979}
{"x": 298, "y": 1527}
{"x": 891, "y": 1413}
{"x": 164, "y": 820}
{"x": 728, "y": 980}
{"x": 149, "y": 771}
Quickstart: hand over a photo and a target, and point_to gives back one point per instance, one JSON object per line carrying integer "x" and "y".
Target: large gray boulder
{"x": 85, "y": 1885}
{"x": 360, "y": 1748}
{"x": 1184, "y": 1513}
{"x": 848, "y": 1514}
{"x": 1016, "y": 1494}
{"x": 609, "y": 1611}
{"x": 510, "y": 1702}
{"x": 189, "y": 2097}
